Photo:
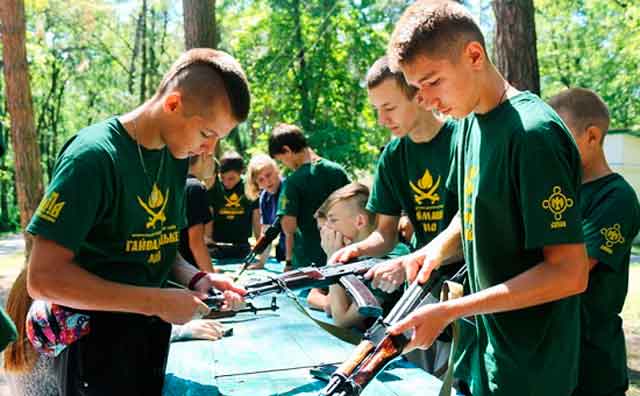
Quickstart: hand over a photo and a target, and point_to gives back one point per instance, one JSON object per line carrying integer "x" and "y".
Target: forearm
{"x": 68, "y": 284}
{"x": 376, "y": 244}
{"x": 182, "y": 271}
{"x": 317, "y": 299}
{"x": 343, "y": 310}
{"x": 448, "y": 244}
{"x": 289, "y": 225}
{"x": 541, "y": 284}
{"x": 201, "y": 256}
{"x": 255, "y": 223}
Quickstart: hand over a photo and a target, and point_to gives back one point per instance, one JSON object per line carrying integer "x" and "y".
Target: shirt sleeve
{"x": 547, "y": 177}
{"x": 610, "y": 228}
{"x": 74, "y": 201}
{"x": 452, "y": 178}
{"x": 289, "y": 201}
{"x": 197, "y": 205}
{"x": 382, "y": 199}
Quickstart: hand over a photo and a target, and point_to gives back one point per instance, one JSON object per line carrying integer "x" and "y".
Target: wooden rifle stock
{"x": 378, "y": 348}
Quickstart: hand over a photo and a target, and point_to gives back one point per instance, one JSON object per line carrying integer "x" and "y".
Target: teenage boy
{"x": 411, "y": 172}
{"x": 516, "y": 174}
{"x": 610, "y": 221}
{"x": 107, "y": 230}
{"x": 347, "y": 221}
{"x": 312, "y": 180}
{"x": 193, "y": 247}
{"x": 235, "y": 216}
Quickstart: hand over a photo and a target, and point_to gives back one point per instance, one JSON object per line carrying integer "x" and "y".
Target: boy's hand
{"x": 427, "y": 322}
{"x": 332, "y": 241}
{"x": 232, "y": 292}
{"x": 179, "y": 306}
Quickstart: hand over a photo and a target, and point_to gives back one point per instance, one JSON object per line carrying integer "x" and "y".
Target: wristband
{"x": 195, "y": 279}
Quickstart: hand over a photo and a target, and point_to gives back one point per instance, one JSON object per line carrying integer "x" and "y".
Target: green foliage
{"x": 306, "y": 61}
{"x": 592, "y": 44}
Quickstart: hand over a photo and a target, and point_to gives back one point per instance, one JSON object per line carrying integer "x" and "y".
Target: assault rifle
{"x": 348, "y": 275}
{"x": 377, "y": 347}
{"x": 262, "y": 243}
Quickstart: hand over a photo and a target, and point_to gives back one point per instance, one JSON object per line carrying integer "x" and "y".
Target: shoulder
{"x": 538, "y": 121}
{"x": 330, "y": 166}
{"x": 618, "y": 195}
{"x": 103, "y": 139}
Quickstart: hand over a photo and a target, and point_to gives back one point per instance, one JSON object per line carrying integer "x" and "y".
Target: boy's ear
{"x": 474, "y": 52}
{"x": 172, "y": 102}
{"x": 361, "y": 221}
{"x": 594, "y": 135}
{"x": 286, "y": 149}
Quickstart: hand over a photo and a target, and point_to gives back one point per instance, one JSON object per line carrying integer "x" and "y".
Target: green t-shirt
{"x": 411, "y": 177}
{"x": 8, "y": 331}
{"x": 302, "y": 194}
{"x": 610, "y": 221}
{"x": 122, "y": 224}
{"x": 516, "y": 173}
{"x": 232, "y": 213}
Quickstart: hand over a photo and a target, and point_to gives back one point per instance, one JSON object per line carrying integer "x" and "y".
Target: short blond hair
{"x": 258, "y": 163}
{"x": 355, "y": 193}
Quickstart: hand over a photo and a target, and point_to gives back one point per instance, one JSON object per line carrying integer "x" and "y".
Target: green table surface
{"x": 270, "y": 354}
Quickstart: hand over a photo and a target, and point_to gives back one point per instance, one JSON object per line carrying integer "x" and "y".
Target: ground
{"x": 11, "y": 261}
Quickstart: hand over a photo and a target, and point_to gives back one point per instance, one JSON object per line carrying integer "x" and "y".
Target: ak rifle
{"x": 270, "y": 234}
{"x": 377, "y": 347}
{"x": 348, "y": 275}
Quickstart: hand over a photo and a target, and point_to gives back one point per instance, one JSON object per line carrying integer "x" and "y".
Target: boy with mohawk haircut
{"x": 610, "y": 221}
{"x": 518, "y": 226}
{"x": 106, "y": 250}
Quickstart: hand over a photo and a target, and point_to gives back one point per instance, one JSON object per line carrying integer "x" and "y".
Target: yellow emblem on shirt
{"x": 426, "y": 188}
{"x": 49, "y": 209}
{"x": 557, "y": 203}
{"x": 156, "y": 200}
{"x": 612, "y": 236}
{"x": 233, "y": 201}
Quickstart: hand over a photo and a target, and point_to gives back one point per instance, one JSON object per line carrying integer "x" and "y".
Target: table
{"x": 270, "y": 354}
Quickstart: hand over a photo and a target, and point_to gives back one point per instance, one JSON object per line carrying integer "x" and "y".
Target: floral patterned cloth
{"x": 52, "y": 327}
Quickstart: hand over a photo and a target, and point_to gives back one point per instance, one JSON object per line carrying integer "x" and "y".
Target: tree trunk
{"x": 200, "y": 23}
{"x": 145, "y": 45}
{"x": 20, "y": 106}
{"x": 515, "y": 43}
{"x": 302, "y": 72}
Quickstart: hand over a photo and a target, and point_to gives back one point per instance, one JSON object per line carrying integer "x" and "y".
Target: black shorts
{"x": 124, "y": 354}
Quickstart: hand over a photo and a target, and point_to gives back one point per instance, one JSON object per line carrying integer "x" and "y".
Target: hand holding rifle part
{"x": 380, "y": 345}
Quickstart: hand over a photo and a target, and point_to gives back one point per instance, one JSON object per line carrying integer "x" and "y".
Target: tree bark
{"x": 20, "y": 106}
{"x": 200, "y": 23}
{"x": 515, "y": 43}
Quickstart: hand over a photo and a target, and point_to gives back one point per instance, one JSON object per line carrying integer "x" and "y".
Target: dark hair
{"x": 200, "y": 73}
{"x": 231, "y": 161}
{"x": 380, "y": 72}
{"x": 286, "y": 135}
{"x": 584, "y": 108}
{"x": 438, "y": 28}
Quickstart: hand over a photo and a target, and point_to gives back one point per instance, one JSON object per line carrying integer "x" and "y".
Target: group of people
{"x": 517, "y": 189}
